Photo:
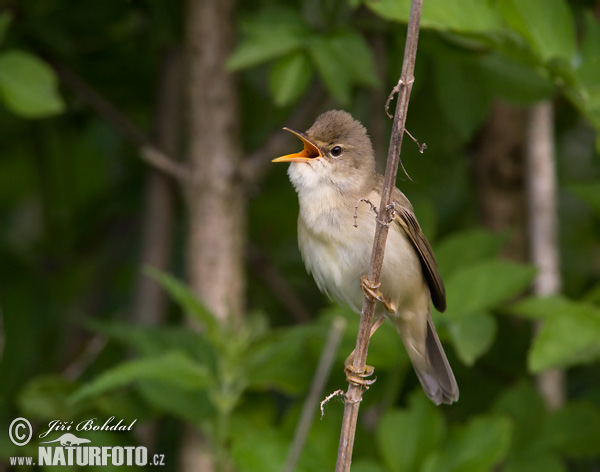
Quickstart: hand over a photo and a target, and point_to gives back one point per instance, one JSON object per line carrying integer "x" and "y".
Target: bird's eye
{"x": 336, "y": 151}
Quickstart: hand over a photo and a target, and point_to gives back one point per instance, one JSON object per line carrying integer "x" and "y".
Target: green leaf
{"x": 359, "y": 63}
{"x": 547, "y": 25}
{"x": 190, "y": 303}
{"x": 473, "y": 335}
{"x": 289, "y": 78}
{"x": 514, "y": 81}
{"x": 259, "y": 450}
{"x": 406, "y": 437}
{"x": 467, "y": 247}
{"x": 574, "y": 430}
{"x": 485, "y": 285}
{"x": 44, "y": 398}
{"x": 28, "y": 86}
{"x": 476, "y": 447}
{"x": 589, "y": 192}
{"x": 462, "y": 92}
{"x": 534, "y": 461}
{"x": 173, "y": 368}
{"x": 366, "y": 465}
{"x": 569, "y": 335}
{"x": 189, "y": 405}
{"x": 280, "y": 360}
{"x": 524, "y": 406}
{"x": 270, "y": 34}
{"x": 331, "y": 68}
{"x": 5, "y": 19}
{"x": 467, "y": 16}
{"x": 587, "y": 93}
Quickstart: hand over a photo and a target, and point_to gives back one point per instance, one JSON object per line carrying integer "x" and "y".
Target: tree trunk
{"x": 498, "y": 168}
{"x": 158, "y": 218}
{"x": 543, "y": 229}
{"x": 214, "y": 194}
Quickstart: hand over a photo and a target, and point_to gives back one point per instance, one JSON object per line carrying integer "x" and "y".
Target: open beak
{"x": 309, "y": 152}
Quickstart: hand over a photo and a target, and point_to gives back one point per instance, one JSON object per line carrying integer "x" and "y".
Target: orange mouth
{"x": 310, "y": 151}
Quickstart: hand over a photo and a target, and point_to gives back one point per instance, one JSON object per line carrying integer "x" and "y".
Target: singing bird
{"x": 332, "y": 174}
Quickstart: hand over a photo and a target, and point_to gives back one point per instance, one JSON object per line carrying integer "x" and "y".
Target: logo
{"x": 68, "y": 439}
{"x": 20, "y": 431}
{"x": 71, "y": 450}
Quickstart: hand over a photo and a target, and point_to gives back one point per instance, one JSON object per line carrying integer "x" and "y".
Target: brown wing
{"x": 404, "y": 216}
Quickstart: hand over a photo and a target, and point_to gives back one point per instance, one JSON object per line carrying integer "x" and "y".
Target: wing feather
{"x": 407, "y": 220}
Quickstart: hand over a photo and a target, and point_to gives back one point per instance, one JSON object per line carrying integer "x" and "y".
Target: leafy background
{"x": 71, "y": 196}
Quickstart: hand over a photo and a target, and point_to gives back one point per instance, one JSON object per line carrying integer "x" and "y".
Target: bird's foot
{"x": 356, "y": 377}
{"x": 372, "y": 292}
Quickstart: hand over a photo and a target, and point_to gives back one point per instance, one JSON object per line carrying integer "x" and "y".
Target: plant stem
{"x": 404, "y": 87}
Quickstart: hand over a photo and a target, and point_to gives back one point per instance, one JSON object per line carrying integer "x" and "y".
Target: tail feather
{"x": 432, "y": 367}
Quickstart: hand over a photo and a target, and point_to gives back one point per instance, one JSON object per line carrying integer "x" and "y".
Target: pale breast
{"x": 337, "y": 254}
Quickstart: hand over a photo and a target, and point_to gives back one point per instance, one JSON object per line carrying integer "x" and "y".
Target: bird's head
{"x": 337, "y": 152}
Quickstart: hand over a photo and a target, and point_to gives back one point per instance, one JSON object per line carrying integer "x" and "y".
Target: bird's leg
{"x": 359, "y": 378}
{"x": 372, "y": 292}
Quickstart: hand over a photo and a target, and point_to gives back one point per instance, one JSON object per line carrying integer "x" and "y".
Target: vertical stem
{"x": 316, "y": 391}
{"x": 404, "y": 87}
{"x": 214, "y": 195}
{"x": 543, "y": 229}
{"x": 158, "y": 218}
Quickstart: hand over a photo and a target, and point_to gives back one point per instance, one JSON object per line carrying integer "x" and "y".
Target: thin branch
{"x": 354, "y": 393}
{"x": 278, "y": 284}
{"x": 543, "y": 229}
{"x": 316, "y": 390}
{"x": 149, "y": 152}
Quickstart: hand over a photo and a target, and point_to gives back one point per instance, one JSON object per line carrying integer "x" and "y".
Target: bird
{"x": 332, "y": 175}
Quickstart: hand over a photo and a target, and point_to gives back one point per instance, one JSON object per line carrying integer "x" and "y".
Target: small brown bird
{"x": 334, "y": 171}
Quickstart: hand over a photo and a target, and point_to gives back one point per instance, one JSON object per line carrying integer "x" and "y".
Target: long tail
{"x": 431, "y": 365}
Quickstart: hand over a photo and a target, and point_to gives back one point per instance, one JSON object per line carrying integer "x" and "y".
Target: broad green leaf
{"x": 191, "y": 406}
{"x": 406, "y": 437}
{"x": 588, "y": 192}
{"x": 574, "y": 430}
{"x": 44, "y": 398}
{"x": 360, "y": 62}
{"x": 280, "y": 361}
{"x": 569, "y": 334}
{"x": 367, "y": 465}
{"x": 331, "y": 68}
{"x": 534, "y": 461}
{"x": 473, "y": 335}
{"x": 172, "y": 368}
{"x": 155, "y": 340}
{"x": 475, "y": 447}
{"x": 467, "y": 247}
{"x": 5, "y": 19}
{"x": 523, "y": 404}
{"x": 587, "y": 71}
{"x": 463, "y": 95}
{"x": 513, "y": 80}
{"x": 259, "y": 450}
{"x": 270, "y": 34}
{"x": 466, "y": 16}
{"x": 190, "y": 303}
{"x": 547, "y": 25}
{"x": 485, "y": 285}
{"x": 289, "y": 78}
{"x": 28, "y": 85}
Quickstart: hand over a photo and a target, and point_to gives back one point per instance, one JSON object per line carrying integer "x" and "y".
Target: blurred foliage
{"x": 71, "y": 195}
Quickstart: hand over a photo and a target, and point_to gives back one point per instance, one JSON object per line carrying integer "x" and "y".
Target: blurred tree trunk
{"x": 499, "y": 168}
{"x": 543, "y": 229}
{"x": 215, "y": 197}
{"x": 158, "y": 218}
{"x": 513, "y": 169}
